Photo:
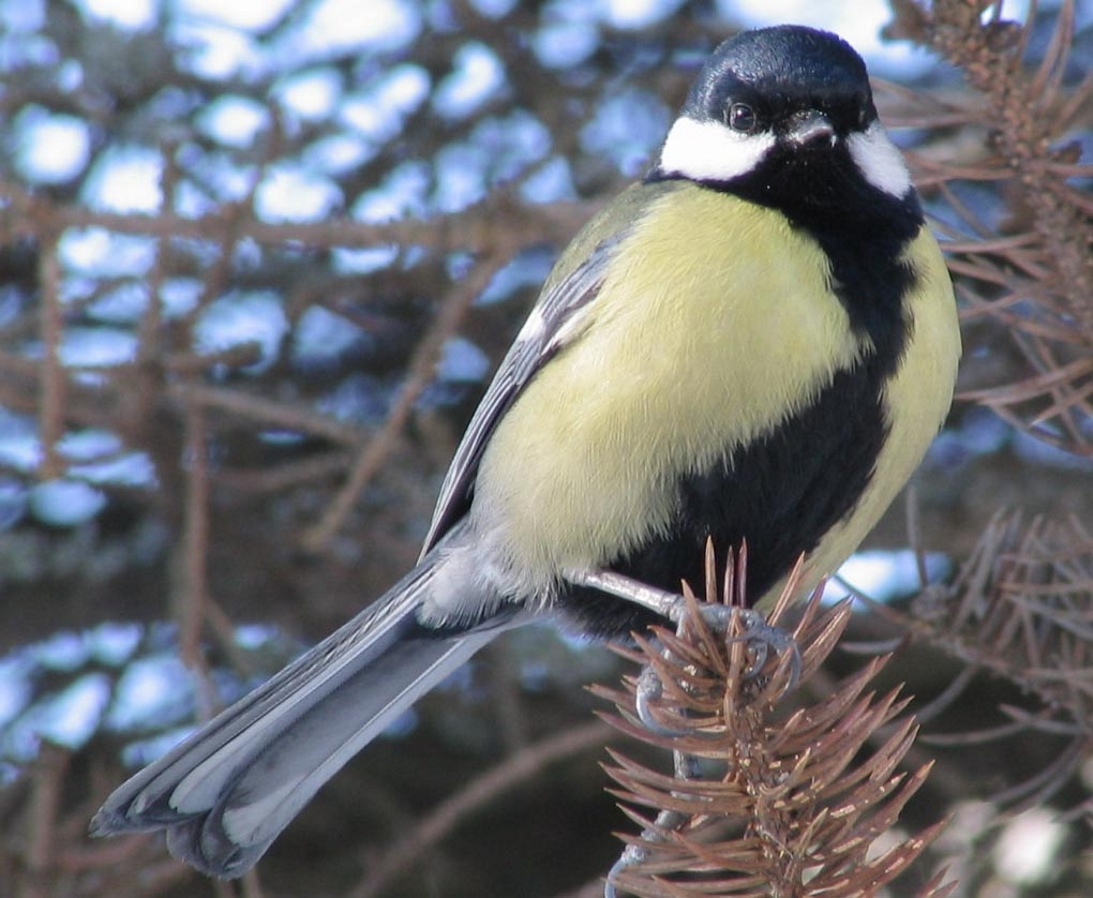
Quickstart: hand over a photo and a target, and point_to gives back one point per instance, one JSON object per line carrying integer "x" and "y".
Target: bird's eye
{"x": 741, "y": 117}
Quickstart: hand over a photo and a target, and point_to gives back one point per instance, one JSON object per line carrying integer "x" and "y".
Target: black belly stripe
{"x": 782, "y": 494}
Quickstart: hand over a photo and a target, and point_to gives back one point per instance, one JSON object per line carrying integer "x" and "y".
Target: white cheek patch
{"x": 710, "y": 151}
{"x": 880, "y": 161}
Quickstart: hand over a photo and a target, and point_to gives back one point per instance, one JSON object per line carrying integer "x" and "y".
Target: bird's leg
{"x": 666, "y": 604}
{"x": 686, "y": 768}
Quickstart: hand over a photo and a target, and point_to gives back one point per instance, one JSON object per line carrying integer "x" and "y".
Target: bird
{"x": 757, "y": 341}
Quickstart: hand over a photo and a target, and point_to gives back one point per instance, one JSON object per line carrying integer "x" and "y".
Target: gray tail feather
{"x": 226, "y": 792}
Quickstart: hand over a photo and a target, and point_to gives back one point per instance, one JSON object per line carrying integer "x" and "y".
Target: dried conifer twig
{"x": 792, "y": 799}
{"x": 1021, "y": 609}
{"x": 1032, "y": 271}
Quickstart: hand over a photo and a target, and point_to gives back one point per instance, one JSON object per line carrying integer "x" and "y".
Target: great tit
{"x": 756, "y": 342}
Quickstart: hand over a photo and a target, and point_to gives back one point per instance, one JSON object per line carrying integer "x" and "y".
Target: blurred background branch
{"x": 256, "y": 266}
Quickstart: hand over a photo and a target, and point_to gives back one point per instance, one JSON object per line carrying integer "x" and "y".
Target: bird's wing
{"x": 555, "y": 321}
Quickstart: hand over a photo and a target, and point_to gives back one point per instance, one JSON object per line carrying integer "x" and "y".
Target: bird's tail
{"x": 227, "y": 791}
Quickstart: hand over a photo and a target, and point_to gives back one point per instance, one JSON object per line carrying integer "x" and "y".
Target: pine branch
{"x": 1031, "y": 270}
{"x": 794, "y": 796}
{"x": 1021, "y": 609}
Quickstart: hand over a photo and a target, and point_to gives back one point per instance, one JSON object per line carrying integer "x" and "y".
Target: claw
{"x": 761, "y": 638}
{"x": 649, "y": 690}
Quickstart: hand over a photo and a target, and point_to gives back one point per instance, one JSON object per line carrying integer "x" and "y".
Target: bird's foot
{"x": 760, "y": 638}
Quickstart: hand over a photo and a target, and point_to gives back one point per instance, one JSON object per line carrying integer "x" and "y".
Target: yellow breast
{"x": 701, "y": 339}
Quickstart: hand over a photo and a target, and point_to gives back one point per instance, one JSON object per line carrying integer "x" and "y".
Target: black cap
{"x": 783, "y": 68}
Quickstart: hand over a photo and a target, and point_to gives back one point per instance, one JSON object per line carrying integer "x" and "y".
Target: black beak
{"x": 810, "y": 127}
